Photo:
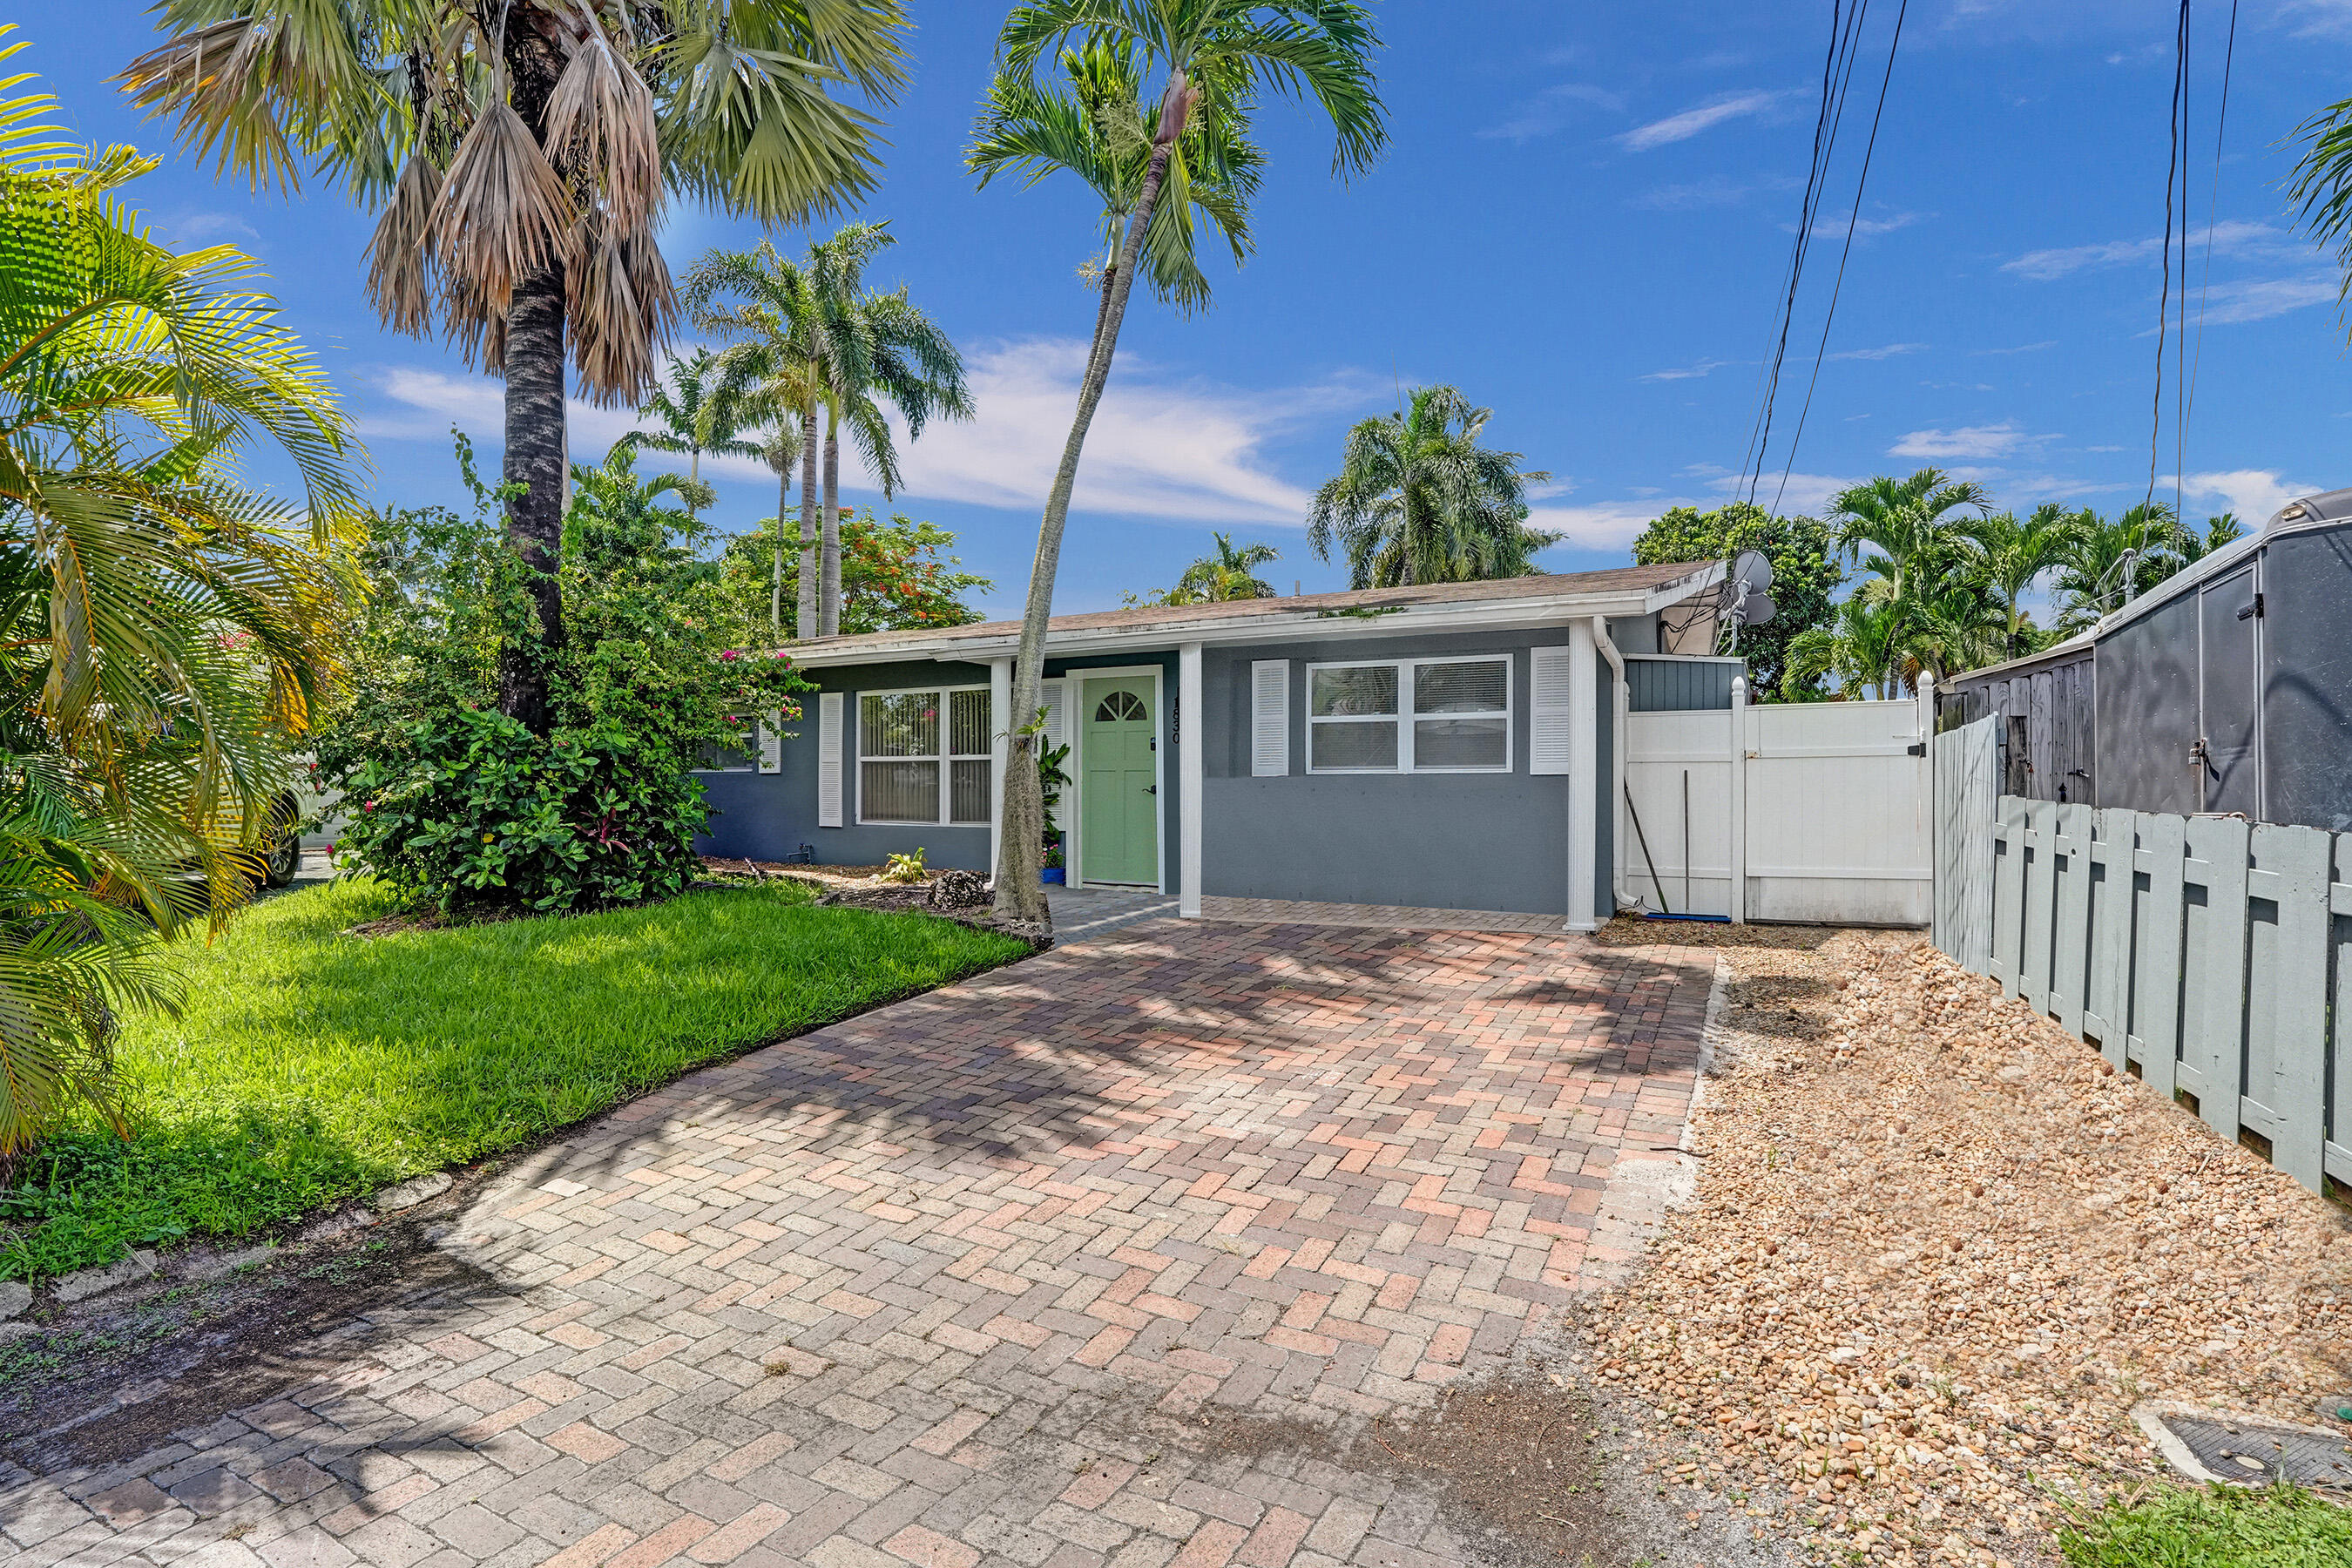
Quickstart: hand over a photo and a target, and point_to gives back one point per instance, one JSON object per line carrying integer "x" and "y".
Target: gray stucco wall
{"x": 1463, "y": 841}
{"x": 767, "y": 816}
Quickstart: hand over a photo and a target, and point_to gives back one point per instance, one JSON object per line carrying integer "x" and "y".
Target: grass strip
{"x": 2218, "y": 1527}
{"x": 310, "y": 1066}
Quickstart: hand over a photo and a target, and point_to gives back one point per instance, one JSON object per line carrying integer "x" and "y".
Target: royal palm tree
{"x": 2222, "y": 529}
{"x": 521, "y": 156}
{"x": 696, "y": 415}
{"x": 1899, "y": 528}
{"x": 1230, "y": 573}
{"x": 2109, "y": 562}
{"x": 164, "y": 634}
{"x": 1417, "y": 499}
{"x": 2011, "y": 556}
{"x": 1860, "y": 651}
{"x": 1213, "y": 59}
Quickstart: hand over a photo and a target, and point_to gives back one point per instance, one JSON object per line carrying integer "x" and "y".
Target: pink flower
{"x": 730, "y": 655}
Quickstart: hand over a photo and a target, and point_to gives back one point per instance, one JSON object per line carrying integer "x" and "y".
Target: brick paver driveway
{"x": 1082, "y": 1262}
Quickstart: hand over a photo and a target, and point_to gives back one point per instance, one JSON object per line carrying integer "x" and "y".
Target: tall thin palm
{"x": 1230, "y": 573}
{"x": 2109, "y": 562}
{"x": 1215, "y": 58}
{"x": 696, "y": 415}
{"x": 1859, "y": 652}
{"x": 1417, "y": 499}
{"x": 2012, "y": 555}
{"x": 1899, "y": 526}
{"x": 521, "y": 155}
{"x": 2225, "y": 527}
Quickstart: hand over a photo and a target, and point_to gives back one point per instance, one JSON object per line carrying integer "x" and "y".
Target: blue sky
{"x": 1583, "y": 222}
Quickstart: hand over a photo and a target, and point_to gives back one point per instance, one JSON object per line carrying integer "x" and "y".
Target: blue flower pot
{"x": 1053, "y": 876}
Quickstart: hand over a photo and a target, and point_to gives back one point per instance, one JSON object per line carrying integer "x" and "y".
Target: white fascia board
{"x": 1418, "y": 620}
{"x": 1675, "y": 593}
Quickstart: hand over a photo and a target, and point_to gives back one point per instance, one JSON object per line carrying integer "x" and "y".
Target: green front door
{"x": 1119, "y": 838}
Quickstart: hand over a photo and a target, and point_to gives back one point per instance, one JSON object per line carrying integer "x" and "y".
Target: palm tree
{"x": 1228, "y": 574}
{"x": 164, "y": 633}
{"x": 1215, "y": 56}
{"x": 1099, "y": 126}
{"x": 2109, "y": 562}
{"x": 1417, "y": 499}
{"x": 2221, "y": 530}
{"x": 521, "y": 155}
{"x": 2012, "y": 555}
{"x": 696, "y": 417}
{"x": 1861, "y": 650}
{"x": 1899, "y": 526}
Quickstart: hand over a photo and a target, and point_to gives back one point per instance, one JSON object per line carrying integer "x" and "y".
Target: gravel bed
{"x": 1938, "y": 1253}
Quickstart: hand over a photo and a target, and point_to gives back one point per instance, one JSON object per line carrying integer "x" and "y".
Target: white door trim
{"x": 1073, "y": 713}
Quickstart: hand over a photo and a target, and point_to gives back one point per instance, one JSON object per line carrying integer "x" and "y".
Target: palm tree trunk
{"x": 805, "y": 625}
{"x": 534, "y": 459}
{"x": 828, "y": 581}
{"x": 776, "y": 582}
{"x": 1020, "y": 893}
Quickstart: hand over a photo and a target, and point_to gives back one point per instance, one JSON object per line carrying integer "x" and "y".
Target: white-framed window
{"x": 1410, "y": 716}
{"x": 923, "y": 757}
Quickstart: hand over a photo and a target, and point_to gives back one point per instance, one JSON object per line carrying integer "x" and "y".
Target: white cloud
{"x": 2260, "y": 299}
{"x": 1692, "y": 121}
{"x": 1864, "y": 227}
{"x": 1887, "y": 351}
{"x": 1159, "y": 447}
{"x": 2235, "y": 239}
{"x": 1715, "y": 191}
{"x": 191, "y": 231}
{"x": 2252, "y": 493}
{"x": 1967, "y": 442}
{"x": 1608, "y": 525}
{"x": 2320, "y": 18}
{"x": 1692, "y": 372}
{"x": 2020, "y": 349}
{"x": 1552, "y": 109}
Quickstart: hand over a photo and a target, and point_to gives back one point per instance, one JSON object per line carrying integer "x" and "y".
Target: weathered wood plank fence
{"x": 2207, "y": 953}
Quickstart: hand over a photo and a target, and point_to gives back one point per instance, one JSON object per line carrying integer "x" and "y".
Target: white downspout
{"x": 1192, "y": 767}
{"x": 1620, "y": 705}
{"x": 1738, "y": 800}
{"x": 1583, "y": 819}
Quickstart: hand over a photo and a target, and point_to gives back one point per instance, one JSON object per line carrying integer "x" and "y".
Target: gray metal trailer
{"x": 2225, "y": 688}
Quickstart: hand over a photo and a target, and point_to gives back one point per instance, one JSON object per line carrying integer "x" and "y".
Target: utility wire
{"x": 2172, "y": 171}
{"x": 1853, "y": 219}
{"x": 2221, "y": 130}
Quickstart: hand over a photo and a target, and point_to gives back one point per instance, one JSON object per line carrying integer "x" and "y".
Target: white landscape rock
{"x": 88, "y": 1282}
{"x": 413, "y": 1191}
{"x": 15, "y": 1297}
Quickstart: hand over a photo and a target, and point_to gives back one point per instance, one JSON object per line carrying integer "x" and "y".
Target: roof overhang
{"x": 1518, "y": 613}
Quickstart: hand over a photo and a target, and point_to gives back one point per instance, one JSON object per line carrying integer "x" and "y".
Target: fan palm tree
{"x": 1228, "y": 574}
{"x": 1417, "y": 499}
{"x": 2012, "y": 555}
{"x": 1898, "y": 528}
{"x": 521, "y": 155}
{"x": 1212, "y": 57}
{"x": 696, "y": 416}
{"x": 164, "y": 633}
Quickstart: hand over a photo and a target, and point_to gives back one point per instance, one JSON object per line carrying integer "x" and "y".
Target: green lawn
{"x": 2220, "y": 1527}
{"x": 310, "y": 1066}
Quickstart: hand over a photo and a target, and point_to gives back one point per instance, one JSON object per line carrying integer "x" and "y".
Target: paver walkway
{"x": 1065, "y": 1266}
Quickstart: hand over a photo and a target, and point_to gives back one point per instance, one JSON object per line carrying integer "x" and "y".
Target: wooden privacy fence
{"x": 2207, "y": 953}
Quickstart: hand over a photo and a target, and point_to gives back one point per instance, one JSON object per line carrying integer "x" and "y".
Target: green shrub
{"x": 477, "y": 810}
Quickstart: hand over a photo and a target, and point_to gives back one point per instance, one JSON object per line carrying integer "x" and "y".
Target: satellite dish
{"x": 1756, "y": 609}
{"x": 1751, "y": 568}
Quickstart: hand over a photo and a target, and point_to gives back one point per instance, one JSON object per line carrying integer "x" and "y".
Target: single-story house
{"x": 1452, "y": 746}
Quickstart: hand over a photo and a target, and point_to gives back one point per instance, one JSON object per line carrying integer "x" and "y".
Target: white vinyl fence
{"x": 1823, "y": 807}
{"x": 2206, "y": 952}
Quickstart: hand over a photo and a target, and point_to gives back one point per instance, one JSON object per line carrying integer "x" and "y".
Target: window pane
{"x": 1354, "y": 746}
{"x": 968, "y": 791}
{"x": 906, "y": 725}
{"x": 1462, "y": 743}
{"x": 899, "y": 792}
{"x": 968, "y": 723}
{"x": 1484, "y": 687}
{"x": 1355, "y": 689}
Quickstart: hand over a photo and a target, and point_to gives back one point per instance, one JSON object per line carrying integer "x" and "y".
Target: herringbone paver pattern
{"x": 971, "y": 1280}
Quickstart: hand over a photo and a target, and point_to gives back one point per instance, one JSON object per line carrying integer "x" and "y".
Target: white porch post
{"x": 1583, "y": 777}
{"x": 1191, "y": 769}
{"x": 1000, "y": 747}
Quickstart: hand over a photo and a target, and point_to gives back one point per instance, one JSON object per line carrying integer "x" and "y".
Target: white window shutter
{"x": 828, "y": 759}
{"x": 1551, "y": 741}
{"x": 1052, "y": 694}
{"x": 772, "y": 743}
{"x": 1270, "y": 718}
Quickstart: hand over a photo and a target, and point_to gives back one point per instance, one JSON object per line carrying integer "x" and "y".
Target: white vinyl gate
{"x": 1823, "y": 808}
